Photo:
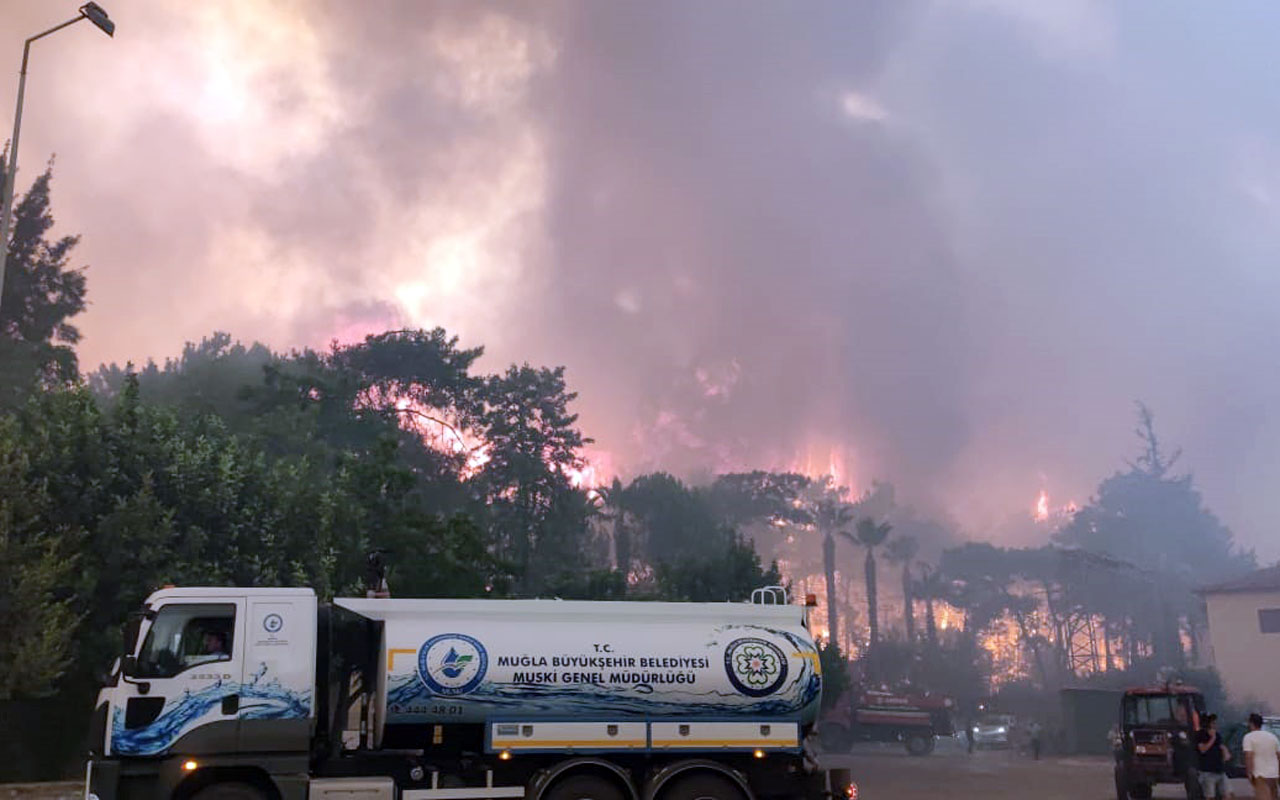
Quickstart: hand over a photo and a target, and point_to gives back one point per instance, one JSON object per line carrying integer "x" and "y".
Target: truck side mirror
{"x": 129, "y": 671}
{"x": 130, "y": 632}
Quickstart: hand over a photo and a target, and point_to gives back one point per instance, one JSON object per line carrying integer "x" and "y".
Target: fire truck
{"x": 915, "y": 719}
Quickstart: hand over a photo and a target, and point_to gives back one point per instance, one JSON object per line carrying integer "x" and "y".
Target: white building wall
{"x": 1247, "y": 658}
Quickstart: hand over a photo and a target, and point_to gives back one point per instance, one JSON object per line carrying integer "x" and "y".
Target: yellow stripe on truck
{"x": 391, "y": 654}
{"x": 812, "y": 658}
{"x": 684, "y": 743}
{"x": 517, "y": 744}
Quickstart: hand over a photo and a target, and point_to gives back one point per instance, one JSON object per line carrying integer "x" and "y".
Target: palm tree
{"x": 870, "y": 535}
{"x": 901, "y": 551}
{"x": 830, "y": 515}
{"x": 931, "y": 586}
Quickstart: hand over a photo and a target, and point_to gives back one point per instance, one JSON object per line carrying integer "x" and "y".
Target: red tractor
{"x": 1155, "y": 740}
{"x": 880, "y": 715}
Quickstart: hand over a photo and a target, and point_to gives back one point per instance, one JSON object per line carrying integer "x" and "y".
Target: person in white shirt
{"x": 1261, "y": 759}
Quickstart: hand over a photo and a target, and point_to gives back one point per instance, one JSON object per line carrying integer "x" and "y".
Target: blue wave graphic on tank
{"x": 800, "y": 690}
{"x": 180, "y": 715}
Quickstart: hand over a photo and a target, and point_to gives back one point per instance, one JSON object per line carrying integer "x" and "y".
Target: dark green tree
{"x": 532, "y": 445}
{"x": 741, "y": 498}
{"x": 37, "y": 565}
{"x": 674, "y": 522}
{"x": 1152, "y": 520}
{"x": 729, "y": 575}
{"x": 41, "y": 294}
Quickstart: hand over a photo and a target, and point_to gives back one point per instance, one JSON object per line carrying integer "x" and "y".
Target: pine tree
{"x": 40, "y": 294}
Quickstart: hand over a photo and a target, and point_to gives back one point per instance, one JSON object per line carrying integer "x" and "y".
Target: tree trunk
{"x": 829, "y": 570}
{"x": 621, "y": 544}
{"x": 1034, "y": 646}
{"x": 1061, "y": 646}
{"x": 873, "y": 619}
{"x": 930, "y": 622}
{"x": 1106, "y": 644}
{"x": 909, "y": 612}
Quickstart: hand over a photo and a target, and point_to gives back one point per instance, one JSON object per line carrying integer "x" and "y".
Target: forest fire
{"x": 820, "y": 460}
{"x": 1044, "y": 512}
{"x": 596, "y": 469}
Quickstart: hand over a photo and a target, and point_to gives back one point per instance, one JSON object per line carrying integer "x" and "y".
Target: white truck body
{"x": 450, "y": 661}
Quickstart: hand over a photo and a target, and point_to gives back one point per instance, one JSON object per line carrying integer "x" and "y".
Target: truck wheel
{"x": 1125, "y": 790}
{"x": 584, "y": 787}
{"x": 229, "y": 791}
{"x": 834, "y": 738}
{"x": 919, "y": 744}
{"x": 703, "y": 787}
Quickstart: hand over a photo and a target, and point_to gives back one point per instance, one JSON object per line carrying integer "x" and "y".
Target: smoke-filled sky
{"x": 943, "y": 244}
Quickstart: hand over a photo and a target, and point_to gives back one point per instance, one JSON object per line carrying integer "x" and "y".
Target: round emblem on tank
{"x": 755, "y": 667}
{"x": 451, "y": 664}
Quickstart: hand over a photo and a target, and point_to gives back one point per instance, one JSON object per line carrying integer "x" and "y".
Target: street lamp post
{"x": 95, "y": 14}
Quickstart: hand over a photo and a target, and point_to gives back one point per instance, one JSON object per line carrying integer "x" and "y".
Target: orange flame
{"x": 1041, "y": 510}
{"x": 823, "y": 459}
{"x": 597, "y": 469}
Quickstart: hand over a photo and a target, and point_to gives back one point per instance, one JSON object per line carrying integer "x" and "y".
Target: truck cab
{"x": 208, "y": 672}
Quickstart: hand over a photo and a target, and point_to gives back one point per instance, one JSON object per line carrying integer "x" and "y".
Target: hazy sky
{"x": 944, "y": 244}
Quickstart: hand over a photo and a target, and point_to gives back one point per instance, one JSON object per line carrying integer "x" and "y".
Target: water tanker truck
{"x": 267, "y": 694}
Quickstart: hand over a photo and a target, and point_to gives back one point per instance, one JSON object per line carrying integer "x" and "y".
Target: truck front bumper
{"x": 101, "y": 779}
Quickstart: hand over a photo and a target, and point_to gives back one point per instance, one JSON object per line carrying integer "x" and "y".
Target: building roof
{"x": 1263, "y": 580}
{"x": 1161, "y": 691}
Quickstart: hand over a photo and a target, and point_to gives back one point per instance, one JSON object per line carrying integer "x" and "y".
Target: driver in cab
{"x": 213, "y": 648}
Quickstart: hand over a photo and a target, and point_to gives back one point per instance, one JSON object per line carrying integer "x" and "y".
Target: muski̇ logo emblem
{"x": 451, "y": 664}
{"x": 454, "y": 664}
{"x": 755, "y": 667}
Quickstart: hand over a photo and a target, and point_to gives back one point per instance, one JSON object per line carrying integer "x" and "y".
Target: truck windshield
{"x": 184, "y": 635}
{"x": 1156, "y": 709}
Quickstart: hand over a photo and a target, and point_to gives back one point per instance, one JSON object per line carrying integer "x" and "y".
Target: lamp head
{"x": 98, "y": 16}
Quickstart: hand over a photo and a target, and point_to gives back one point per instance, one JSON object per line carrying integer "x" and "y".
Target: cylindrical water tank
{"x": 469, "y": 661}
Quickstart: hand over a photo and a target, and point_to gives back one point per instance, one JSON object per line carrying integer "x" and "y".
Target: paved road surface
{"x": 885, "y": 772}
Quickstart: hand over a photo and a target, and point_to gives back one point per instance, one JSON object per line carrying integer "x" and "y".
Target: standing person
{"x": 968, "y": 735}
{"x": 1034, "y": 730}
{"x": 1261, "y": 759}
{"x": 1213, "y": 756}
